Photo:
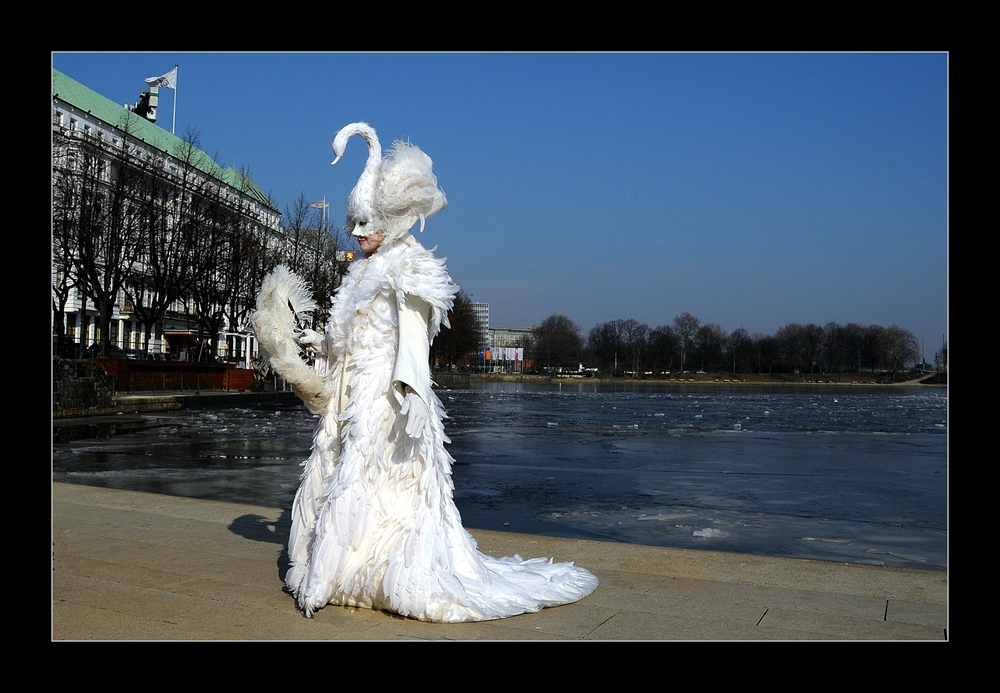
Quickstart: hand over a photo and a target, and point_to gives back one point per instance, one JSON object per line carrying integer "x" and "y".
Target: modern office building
{"x": 482, "y": 312}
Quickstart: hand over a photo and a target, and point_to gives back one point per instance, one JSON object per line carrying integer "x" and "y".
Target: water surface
{"x": 847, "y": 474}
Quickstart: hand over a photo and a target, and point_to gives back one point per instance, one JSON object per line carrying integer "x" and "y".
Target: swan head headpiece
{"x": 394, "y": 191}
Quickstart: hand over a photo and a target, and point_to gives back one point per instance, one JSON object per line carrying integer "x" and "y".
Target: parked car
{"x": 94, "y": 350}
{"x": 67, "y": 349}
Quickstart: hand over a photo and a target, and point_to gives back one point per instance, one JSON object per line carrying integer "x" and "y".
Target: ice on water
{"x": 845, "y": 474}
{"x": 829, "y": 473}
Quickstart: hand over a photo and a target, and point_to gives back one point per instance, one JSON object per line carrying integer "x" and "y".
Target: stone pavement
{"x": 136, "y": 566}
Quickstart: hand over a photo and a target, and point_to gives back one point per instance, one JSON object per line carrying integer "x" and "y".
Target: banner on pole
{"x": 168, "y": 81}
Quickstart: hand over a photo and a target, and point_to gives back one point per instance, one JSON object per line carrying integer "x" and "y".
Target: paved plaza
{"x": 137, "y": 566}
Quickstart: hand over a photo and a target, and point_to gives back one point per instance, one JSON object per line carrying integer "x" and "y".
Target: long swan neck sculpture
{"x": 361, "y": 201}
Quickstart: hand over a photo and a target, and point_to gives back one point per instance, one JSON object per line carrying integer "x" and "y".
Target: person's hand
{"x": 313, "y": 341}
{"x": 418, "y": 419}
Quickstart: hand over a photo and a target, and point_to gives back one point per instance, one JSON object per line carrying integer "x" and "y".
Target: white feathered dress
{"x": 374, "y": 523}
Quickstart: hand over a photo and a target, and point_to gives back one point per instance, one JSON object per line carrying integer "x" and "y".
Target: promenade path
{"x": 137, "y": 566}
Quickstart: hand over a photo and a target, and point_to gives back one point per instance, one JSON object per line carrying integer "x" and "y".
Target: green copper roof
{"x": 80, "y": 97}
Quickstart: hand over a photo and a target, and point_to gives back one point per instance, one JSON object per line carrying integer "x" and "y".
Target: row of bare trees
{"x": 627, "y": 346}
{"x": 170, "y": 236}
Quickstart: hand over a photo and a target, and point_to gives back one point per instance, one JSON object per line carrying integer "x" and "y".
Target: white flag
{"x": 168, "y": 81}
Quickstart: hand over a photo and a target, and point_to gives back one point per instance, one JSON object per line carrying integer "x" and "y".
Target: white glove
{"x": 418, "y": 419}
{"x": 313, "y": 341}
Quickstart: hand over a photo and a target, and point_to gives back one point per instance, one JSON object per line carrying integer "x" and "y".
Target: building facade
{"x": 510, "y": 349}
{"x": 155, "y": 246}
{"x": 482, "y": 313}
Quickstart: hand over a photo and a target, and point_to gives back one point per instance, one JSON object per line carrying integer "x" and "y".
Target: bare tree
{"x": 314, "y": 249}
{"x": 852, "y": 341}
{"x": 210, "y": 270}
{"x": 106, "y": 177}
{"x": 767, "y": 350}
{"x": 558, "y": 343}
{"x": 663, "y": 346}
{"x": 328, "y": 265}
{"x": 686, "y": 325}
{"x": 604, "y": 344}
{"x": 709, "y": 344}
{"x": 814, "y": 346}
{"x": 65, "y": 219}
{"x": 459, "y": 339}
{"x": 634, "y": 337}
{"x": 873, "y": 345}
{"x": 251, "y": 255}
{"x": 173, "y": 211}
{"x": 842, "y": 347}
{"x": 901, "y": 350}
{"x": 738, "y": 346}
{"x": 800, "y": 346}
{"x": 295, "y": 226}
{"x": 833, "y": 353}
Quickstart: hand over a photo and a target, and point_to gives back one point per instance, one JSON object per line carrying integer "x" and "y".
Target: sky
{"x": 751, "y": 190}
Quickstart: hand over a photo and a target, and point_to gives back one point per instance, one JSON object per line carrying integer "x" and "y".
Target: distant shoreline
{"x": 753, "y": 379}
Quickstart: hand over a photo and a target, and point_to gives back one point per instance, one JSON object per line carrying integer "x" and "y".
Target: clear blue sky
{"x": 751, "y": 190}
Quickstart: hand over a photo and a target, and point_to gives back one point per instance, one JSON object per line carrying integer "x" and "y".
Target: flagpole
{"x": 174, "y": 123}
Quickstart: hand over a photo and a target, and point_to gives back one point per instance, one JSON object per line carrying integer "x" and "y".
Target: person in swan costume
{"x": 374, "y": 523}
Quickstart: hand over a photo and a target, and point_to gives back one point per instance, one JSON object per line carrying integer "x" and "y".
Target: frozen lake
{"x": 847, "y": 474}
